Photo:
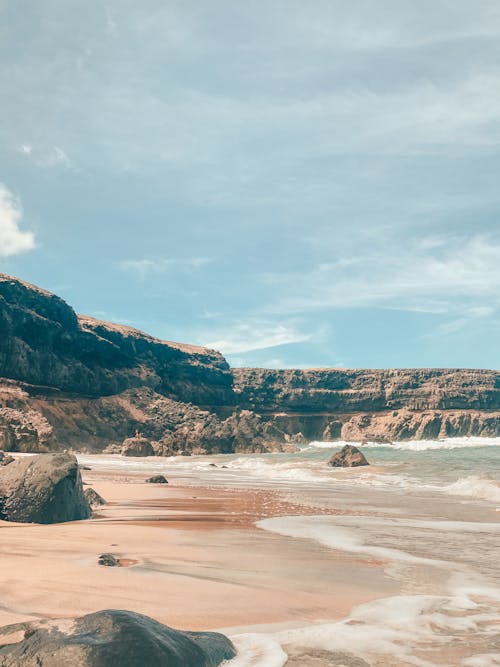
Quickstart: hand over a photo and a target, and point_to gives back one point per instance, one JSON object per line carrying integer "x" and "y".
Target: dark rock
{"x": 157, "y": 479}
{"x": 45, "y": 343}
{"x": 137, "y": 446}
{"x": 348, "y": 457}
{"x": 5, "y": 459}
{"x": 46, "y": 488}
{"x": 111, "y": 638}
{"x": 109, "y": 560}
{"x": 94, "y": 499}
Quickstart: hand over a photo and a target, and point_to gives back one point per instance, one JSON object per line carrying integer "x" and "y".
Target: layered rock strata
{"x": 68, "y": 381}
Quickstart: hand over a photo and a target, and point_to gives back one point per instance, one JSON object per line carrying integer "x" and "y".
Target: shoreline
{"x": 195, "y": 560}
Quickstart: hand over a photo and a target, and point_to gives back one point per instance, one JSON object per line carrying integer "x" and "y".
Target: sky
{"x": 296, "y": 184}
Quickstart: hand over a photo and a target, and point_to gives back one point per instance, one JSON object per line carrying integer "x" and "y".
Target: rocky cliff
{"x": 69, "y": 381}
{"x": 44, "y": 343}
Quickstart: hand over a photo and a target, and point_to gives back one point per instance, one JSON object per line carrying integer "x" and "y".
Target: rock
{"x": 110, "y": 638}
{"x": 46, "y": 488}
{"x": 109, "y": 560}
{"x": 137, "y": 446}
{"x": 25, "y": 431}
{"x": 44, "y": 342}
{"x": 113, "y": 448}
{"x": 157, "y": 479}
{"x": 348, "y": 457}
{"x": 5, "y": 459}
{"x": 94, "y": 499}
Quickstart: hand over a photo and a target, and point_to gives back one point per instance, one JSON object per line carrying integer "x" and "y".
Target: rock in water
{"x": 94, "y": 499}
{"x": 157, "y": 479}
{"x": 46, "y": 488}
{"x": 348, "y": 457}
{"x": 108, "y": 639}
{"x": 137, "y": 446}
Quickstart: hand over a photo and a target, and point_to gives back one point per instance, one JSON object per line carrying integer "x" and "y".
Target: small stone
{"x": 157, "y": 479}
{"x": 108, "y": 560}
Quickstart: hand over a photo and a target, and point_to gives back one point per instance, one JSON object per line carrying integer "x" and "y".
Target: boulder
{"x": 137, "y": 446}
{"x": 94, "y": 499}
{"x": 157, "y": 479}
{"x": 107, "y": 639}
{"x": 46, "y": 488}
{"x": 348, "y": 457}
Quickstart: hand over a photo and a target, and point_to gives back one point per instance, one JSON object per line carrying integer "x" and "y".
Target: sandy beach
{"x": 194, "y": 560}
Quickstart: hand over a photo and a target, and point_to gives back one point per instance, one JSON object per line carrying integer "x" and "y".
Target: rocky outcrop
{"x": 427, "y": 425}
{"x": 68, "y": 381}
{"x": 137, "y": 446}
{"x": 109, "y": 638}
{"x": 25, "y": 431}
{"x": 348, "y": 457}
{"x": 337, "y": 391}
{"x": 45, "y": 343}
{"x": 46, "y": 488}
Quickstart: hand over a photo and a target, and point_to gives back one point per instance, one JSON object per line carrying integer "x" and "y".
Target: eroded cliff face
{"x": 69, "y": 381}
{"x": 333, "y": 390}
{"x": 384, "y": 405}
{"x": 44, "y": 343}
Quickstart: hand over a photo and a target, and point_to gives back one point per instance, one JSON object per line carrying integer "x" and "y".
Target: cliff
{"x": 70, "y": 381}
{"x": 341, "y": 390}
{"x": 43, "y": 342}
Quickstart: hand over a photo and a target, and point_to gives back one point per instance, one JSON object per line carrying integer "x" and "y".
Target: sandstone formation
{"x": 46, "y": 488}
{"x": 107, "y": 639}
{"x": 348, "y": 457}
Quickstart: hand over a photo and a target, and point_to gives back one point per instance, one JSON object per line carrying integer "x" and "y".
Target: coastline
{"x": 198, "y": 560}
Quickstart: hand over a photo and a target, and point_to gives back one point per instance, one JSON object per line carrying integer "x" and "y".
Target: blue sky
{"x": 295, "y": 184}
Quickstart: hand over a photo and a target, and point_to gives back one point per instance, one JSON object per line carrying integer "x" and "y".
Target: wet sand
{"x": 194, "y": 560}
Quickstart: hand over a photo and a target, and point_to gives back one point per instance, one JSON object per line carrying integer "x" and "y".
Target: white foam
{"x": 257, "y": 650}
{"x": 399, "y": 628}
{"x": 475, "y": 487}
{"x": 326, "y": 531}
{"x": 415, "y": 445}
{"x": 482, "y": 660}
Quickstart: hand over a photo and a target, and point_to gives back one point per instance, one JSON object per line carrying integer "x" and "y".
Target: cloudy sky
{"x": 293, "y": 183}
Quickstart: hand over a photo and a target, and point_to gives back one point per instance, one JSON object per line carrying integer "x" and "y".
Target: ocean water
{"x": 427, "y": 510}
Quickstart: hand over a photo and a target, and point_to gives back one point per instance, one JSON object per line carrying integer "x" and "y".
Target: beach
{"x": 291, "y": 559}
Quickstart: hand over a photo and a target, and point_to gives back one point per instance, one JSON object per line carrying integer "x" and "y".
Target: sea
{"x": 428, "y": 510}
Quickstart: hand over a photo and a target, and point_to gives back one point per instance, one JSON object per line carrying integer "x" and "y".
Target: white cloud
{"x": 41, "y": 156}
{"x": 12, "y": 239}
{"x": 425, "y": 277}
{"x": 146, "y": 267}
{"x": 256, "y": 334}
